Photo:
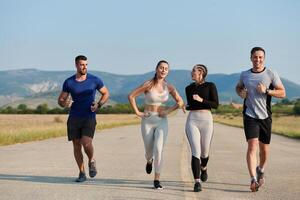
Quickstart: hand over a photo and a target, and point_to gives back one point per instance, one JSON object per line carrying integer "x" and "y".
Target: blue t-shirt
{"x": 83, "y": 94}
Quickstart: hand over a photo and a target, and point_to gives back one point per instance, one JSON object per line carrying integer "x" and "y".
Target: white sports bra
{"x": 152, "y": 97}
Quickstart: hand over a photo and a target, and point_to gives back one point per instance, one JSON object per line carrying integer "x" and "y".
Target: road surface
{"x": 47, "y": 169}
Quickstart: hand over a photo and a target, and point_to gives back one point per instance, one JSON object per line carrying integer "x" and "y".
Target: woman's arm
{"x": 213, "y": 102}
{"x": 136, "y": 92}
{"x": 177, "y": 98}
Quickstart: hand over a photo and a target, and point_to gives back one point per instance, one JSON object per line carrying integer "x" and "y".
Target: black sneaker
{"x": 203, "y": 175}
{"x": 81, "y": 177}
{"x": 254, "y": 185}
{"x": 260, "y": 176}
{"x": 157, "y": 185}
{"x": 92, "y": 169}
{"x": 149, "y": 167}
{"x": 197, "y": 187}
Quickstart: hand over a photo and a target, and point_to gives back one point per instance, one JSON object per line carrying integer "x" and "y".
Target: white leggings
{"x": 154, "y": 132}
{"x": 199, "y": 131}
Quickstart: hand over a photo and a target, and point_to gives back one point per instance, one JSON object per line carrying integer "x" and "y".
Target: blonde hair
{"x": 203, "y": 68}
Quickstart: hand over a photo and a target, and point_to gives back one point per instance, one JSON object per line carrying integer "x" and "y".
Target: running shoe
{"x": 260, "y": 176}
{"x": 203, "y": 175}
{"x": 149, "y": 167}
{"x": 81, "y": 177}
{"x": 197, "y": 187}
{"x": 157, "y": 185}
{"x": 92, "y": 169}
{"x": 254, "y": 185}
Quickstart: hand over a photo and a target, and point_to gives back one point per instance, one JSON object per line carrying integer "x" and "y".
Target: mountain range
{"x": 33, "y": 87}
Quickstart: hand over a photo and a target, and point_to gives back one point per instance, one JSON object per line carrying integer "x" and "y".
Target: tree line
{"x": 44, "y": 109}
{"x": 285, "y": 106}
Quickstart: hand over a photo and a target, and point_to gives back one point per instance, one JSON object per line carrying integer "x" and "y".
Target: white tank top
{"x": 152, "y": 97}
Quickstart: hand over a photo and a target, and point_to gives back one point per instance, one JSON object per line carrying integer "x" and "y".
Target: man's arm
{"x": 104, "y": 96}
{"x": 103, "y": 99}
{"x": 240, "y": 90}
{"x": 278, "y": 91}
{"x": 64, "y": 100}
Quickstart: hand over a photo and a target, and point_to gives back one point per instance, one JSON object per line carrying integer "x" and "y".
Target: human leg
{"x": 147, "y": 130}
{"x": 193, "y": 136}
{"x": 206, "y": 131}
{"x": 79, "y": 159}
{"x": 264, "y": 148}
{"x": 87, "y": 132}
{"x": 252, "y": 162}
{"x": 160, "y": 137}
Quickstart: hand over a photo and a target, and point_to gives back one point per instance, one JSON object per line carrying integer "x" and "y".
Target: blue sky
{"x": 130, "y": 37}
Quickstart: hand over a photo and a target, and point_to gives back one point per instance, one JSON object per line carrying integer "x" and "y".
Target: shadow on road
{"x": 120, "y": 183}
{"x": 219, "y": 183}
{"x": 146, "y": 184}
{"x": 222, "y": 186}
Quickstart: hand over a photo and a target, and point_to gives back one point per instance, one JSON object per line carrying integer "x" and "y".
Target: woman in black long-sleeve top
{"x": 201, "y": 97}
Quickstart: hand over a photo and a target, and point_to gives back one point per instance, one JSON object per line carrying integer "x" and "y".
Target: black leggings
{"x": 196, "y": 166}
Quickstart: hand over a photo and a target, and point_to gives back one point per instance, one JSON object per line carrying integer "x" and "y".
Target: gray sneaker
{"x": 254, "y": 186}
{"x": 197, "y": 187}
{"x": 260, "y": 176}
{"x": 81, "y": 177}
{"x": 92, "y": 169}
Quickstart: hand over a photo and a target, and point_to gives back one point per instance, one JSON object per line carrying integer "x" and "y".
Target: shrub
{"x": 297, "y": 108}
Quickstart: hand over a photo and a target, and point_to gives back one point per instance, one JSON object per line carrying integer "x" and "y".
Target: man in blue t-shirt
{"x": 256, "y": 86}
{"x": 78, "y": 94}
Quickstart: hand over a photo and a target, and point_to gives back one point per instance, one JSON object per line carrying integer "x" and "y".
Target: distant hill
{"x": 32, "y": 87}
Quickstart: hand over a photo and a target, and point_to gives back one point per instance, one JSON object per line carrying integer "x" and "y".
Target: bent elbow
{"x": 215, "y": 106}
{"x": 281, "y": 94}
{"x": 129, "y": 97}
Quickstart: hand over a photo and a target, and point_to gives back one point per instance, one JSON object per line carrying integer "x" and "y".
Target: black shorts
{"x": 78, "y": 127}
{"x": 258, "y": 128}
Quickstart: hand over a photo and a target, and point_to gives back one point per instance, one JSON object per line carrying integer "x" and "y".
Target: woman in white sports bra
{"x": 154, "y": 125}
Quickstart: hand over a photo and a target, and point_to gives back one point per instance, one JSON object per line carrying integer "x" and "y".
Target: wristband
{"x": 99, "y": 104}
{"x": 267, "y": 91}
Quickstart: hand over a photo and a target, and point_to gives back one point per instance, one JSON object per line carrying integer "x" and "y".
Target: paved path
{"x": 46, "y": 169}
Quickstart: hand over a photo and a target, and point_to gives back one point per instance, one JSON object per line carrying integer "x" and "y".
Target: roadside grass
{"x": 25, "y": 128}
{"x": 287, "y": 125}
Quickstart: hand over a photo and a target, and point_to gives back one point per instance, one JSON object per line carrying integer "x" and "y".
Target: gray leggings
{"x": 154, "y": 132}
{"x": 199, "y": 131}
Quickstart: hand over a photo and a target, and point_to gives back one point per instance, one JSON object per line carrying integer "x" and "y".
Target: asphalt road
{"x": 47, "y": 169}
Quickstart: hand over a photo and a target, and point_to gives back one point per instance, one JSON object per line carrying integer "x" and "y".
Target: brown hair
{"x": 154, "y": 79}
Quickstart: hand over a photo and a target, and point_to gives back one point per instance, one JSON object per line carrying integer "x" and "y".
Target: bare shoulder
{"x": 146, "y": 85}
{"x": 171, "y": 87}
